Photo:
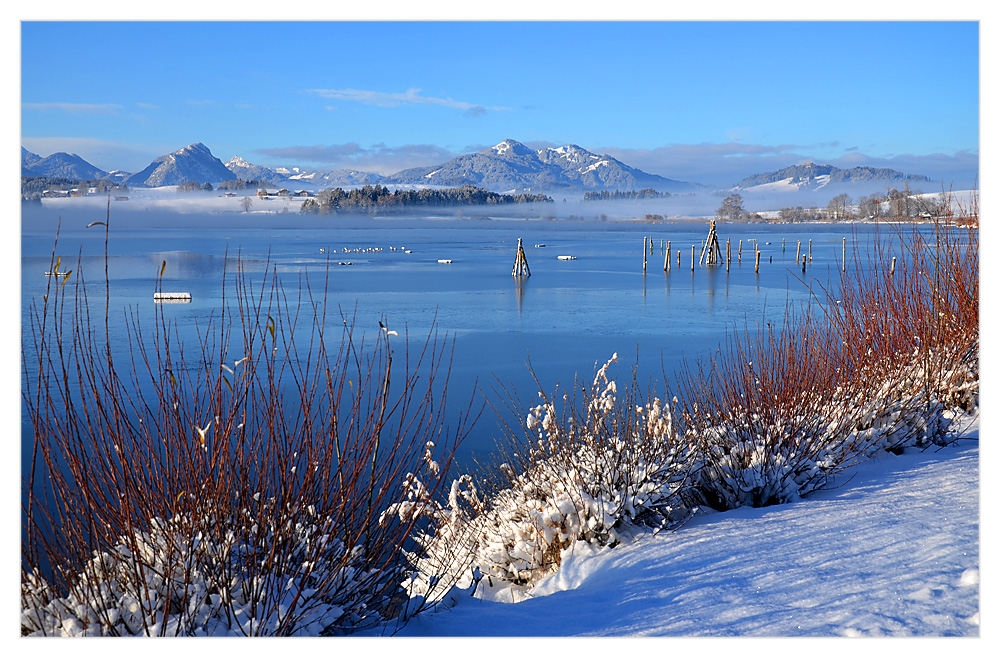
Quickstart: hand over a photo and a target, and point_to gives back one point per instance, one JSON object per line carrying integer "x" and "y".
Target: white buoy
{"x": 444, "y": 260}
{"x": 566, "y": 257}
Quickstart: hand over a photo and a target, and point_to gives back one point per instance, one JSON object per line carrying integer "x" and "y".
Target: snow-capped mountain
{"x": 59, "y": 165}
{"x": 118, "y": 176}
{"x": 299, "y": 176}
{"x": 245, "y": 170}
{"x": 331, "y": 178}
{"x": 191, "y": 163}
{"x": 811, "y": 176}
{"x": 510, "y": 165}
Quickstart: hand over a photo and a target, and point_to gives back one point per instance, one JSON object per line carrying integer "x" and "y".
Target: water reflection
{"x": 711, "y": 277}
{"x": 186, "y": 265}
{"x": 520, "y": 284}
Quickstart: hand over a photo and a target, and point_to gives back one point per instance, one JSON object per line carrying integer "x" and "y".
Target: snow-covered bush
{"x": 890, "y": 362}
{"x": 173, "y": 580}
{"x": 236, "y": 490}
{"x": 586, "y": 472}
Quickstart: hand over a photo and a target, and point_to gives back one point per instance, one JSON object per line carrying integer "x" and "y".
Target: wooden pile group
{"x": 711, "y": 247}
{"x": 520, "y": 262}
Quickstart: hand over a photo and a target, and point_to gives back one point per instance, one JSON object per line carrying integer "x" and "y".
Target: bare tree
{"x": 731, "y": 209}
{"x": 837, "y": 207}
{"x": 247, "y": 202}
{"x": 870, "y": 206}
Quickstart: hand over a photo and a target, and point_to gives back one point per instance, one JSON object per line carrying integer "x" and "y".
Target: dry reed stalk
{"x": 782, "y": 409}
{"x": 254, "y": 435}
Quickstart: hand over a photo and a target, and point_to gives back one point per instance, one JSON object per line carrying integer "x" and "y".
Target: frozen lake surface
{"x": 568, "y": 317}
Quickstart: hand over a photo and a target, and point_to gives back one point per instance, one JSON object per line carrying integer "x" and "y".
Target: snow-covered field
{"x": 894, "y": 550}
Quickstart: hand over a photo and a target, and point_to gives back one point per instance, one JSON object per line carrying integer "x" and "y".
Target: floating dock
{"x": 171, "y": 296}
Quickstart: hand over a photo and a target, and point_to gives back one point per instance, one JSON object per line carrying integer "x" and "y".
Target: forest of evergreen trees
{"x": 619, "y": 195}
{"x": 33, "y": 186}
{"x": 378, "y": 197}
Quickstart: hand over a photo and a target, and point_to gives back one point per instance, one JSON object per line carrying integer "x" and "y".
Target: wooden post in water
{"x": 756, "y": 266}
{"x": 644, "y": 239}
{"x": 845, "y": 256}
{"x": 803, "y": 263}
{"x": 782, "y": 245}
{"x": 729, "y": 255}
{"x": 892, "y": 268}
{"x": 810, "y": 250}
{"x": 520, "y": 262}
{"x": 739, "y": 253}
{"x": 711, "y": 247}
{"x": 798, "y": 250}
{"x": 692, "y": 258}
{"x": 666, "y": 259}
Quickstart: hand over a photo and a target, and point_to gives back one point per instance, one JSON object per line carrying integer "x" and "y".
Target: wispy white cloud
{"x": 88, "y": 108}
{"x": 409, "y": 97}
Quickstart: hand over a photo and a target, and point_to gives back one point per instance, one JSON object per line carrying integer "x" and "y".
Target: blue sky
{"x": 706, "y": 102}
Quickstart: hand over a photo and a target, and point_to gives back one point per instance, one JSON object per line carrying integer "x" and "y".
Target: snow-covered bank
{"x": 894, "y": 551}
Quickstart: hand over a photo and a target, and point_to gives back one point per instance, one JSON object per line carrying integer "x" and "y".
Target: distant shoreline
{"x": 535, "y": 213}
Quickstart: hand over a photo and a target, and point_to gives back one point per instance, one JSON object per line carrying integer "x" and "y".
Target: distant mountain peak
{"x": 509, "y": 147}
{"x": 238, "y": 161}
{"x": 59, "y": 165}
{"x": 191, "y": 163}
{"x": 568, "y": 148}
{"x": 572, "y": 155}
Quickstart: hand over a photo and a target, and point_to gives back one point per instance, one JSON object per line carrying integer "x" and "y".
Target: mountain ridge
{"x": 511, "y": 166}
{"x": 508, "y": 166}
{"x": 59, "y": 165}
{"x": 812, "y": 176}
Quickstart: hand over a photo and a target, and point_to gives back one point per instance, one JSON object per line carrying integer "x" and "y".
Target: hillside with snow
{"x": 810, "y": 177}
{"x": 301, "y": 177}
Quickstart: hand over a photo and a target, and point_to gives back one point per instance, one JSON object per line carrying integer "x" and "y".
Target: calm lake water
{"x": 568, "y": 317}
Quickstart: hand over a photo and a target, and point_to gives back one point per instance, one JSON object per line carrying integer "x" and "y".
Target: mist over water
{"x": 567, "y": 318}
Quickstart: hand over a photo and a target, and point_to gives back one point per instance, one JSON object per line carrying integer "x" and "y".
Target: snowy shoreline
{"x": 891, "y": 549}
